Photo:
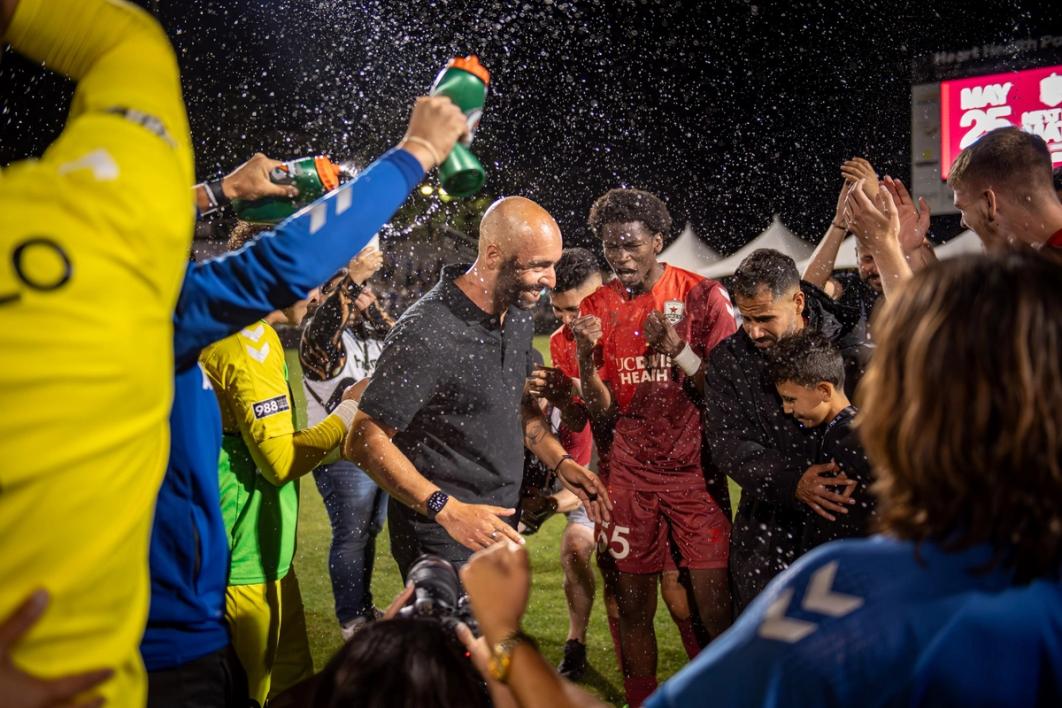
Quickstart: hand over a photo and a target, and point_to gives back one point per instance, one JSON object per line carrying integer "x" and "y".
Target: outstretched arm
{"x": 820, "y": 267}
{"x": 877, "y": 225}
{"x": 280, "y": 267}
{"x": 540, "y": 440}
{"x": 321, "y": 350}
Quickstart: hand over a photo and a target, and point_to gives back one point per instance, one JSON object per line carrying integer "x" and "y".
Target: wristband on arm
{"x": 346, "y": 411}
{"x": 215, "y": 196}
{"x": 686, "y": 360}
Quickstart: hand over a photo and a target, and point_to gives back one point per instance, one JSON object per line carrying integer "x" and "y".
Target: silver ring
{"x": 493, "y": 534}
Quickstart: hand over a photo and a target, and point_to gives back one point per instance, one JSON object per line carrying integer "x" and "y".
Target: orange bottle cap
{"x": 328, "y": 171}
{"x": 471, "y": 65}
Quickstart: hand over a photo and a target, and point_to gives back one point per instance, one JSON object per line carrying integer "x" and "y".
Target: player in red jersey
{"x": 641, "y": 341}
{"x": 578, "y": 275}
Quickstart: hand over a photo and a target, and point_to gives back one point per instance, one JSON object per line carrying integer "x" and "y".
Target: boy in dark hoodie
{"x": 808, "y": 372}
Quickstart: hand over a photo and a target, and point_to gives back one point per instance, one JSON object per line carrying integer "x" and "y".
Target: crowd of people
{"x": 896, "y": 434}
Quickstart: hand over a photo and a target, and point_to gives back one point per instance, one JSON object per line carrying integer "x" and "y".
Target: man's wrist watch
{"x": 501, "y": 655}
{"x": 435, "y": 503}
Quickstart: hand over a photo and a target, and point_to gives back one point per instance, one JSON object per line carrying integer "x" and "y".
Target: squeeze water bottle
{"x": 312, "y": 176}
{"x": 464, "y": 81}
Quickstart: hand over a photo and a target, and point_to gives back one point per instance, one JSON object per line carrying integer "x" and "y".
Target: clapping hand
{"x": 875, "y": 222}
{"x": 914, "y": 222}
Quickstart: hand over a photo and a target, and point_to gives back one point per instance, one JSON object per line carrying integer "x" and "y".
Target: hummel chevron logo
{"x": 777, "y": 626}
{"x": 259, "y": 354}
{"x": 254, "y": 334}
{"x": 819, "y": 598}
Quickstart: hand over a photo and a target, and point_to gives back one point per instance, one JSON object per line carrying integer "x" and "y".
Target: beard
{"x": 510, "y": 291}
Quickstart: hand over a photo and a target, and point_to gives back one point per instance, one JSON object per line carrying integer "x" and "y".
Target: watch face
{"x": 437, "y": 501}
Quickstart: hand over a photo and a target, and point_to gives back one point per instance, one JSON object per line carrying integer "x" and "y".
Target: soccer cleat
{"x": 573, "y": 665}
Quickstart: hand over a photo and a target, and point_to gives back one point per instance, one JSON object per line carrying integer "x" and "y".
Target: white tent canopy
{"x": 966, "y": 242}
{"x": 846, "y": 257}
{"x": 776, "y": 236}
{"x": 689, "y": 252}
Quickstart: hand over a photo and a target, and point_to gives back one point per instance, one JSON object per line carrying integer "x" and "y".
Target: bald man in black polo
{"x": 443, "y": 423}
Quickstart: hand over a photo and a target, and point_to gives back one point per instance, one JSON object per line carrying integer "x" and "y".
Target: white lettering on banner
{"x": 982, "y": 122}
{"x": 644, "y": 369}
{"x": 981, "y": 96}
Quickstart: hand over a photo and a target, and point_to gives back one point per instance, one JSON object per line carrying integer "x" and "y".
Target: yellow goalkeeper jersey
{"x": 94, "y": 240}
{"x": 262, "y": 454}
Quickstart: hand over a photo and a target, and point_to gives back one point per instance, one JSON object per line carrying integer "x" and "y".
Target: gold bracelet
{"x": 501, "y": 658}
{"x": 426, "y": 145}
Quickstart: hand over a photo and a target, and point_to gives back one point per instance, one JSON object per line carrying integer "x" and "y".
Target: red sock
{"x": 638, "y": 688}
{"x": 689, "y": 637}
{"x": 613, "y": 628}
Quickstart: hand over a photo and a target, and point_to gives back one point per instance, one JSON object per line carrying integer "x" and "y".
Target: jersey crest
{"x": 674, "y": 311}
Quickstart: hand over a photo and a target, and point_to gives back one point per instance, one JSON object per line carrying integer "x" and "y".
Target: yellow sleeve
{"x": 247, "y": 370}
{"x": 122, "y": 169}
{"x": 94, "y": 241}
{"x": 118, "y": 54}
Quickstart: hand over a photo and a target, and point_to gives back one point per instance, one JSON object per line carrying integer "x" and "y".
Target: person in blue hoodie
{"x": 186, "y": 644}
{"x": 957, "y": 602}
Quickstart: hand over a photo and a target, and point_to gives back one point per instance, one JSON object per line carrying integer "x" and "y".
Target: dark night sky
{"x": 731, "y": 111}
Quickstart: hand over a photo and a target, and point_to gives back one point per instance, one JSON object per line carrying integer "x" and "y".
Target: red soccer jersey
{"x": 1056, "y": 240}
{"x": 656, "y": 442}
{"x": 563, "y": 352}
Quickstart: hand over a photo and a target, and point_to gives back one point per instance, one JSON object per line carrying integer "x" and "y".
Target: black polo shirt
{"x": 450, "y": 379}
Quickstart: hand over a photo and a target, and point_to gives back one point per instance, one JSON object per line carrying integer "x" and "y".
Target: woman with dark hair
{"x": 959, "y": 600}
{"x": 401, "y": 663}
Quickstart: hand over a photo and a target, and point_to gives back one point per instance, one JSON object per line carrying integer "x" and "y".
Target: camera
{"x": 437, "y": 593}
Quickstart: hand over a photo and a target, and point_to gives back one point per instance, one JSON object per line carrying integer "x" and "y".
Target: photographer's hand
{"x": 20, "y": 690}
{"x": 401, "y": 600}
{"x": 498, "y": 582}
{"x": 476, "y": 526}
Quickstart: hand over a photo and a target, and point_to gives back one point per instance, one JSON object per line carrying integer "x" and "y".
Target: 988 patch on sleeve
{"x": 271, "y": 406}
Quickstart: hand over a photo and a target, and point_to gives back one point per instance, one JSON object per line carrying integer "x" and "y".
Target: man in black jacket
{"x": 750, "y": 438}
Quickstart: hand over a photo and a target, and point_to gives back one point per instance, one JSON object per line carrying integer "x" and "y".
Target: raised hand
{"x": 551, "y": 384}
{"x": 434, "y": 127}
{"x": 498, "y": 582}
{"x": 859, "y": 169}
{"x": 251, "y": 181}
{"x": 587, "y": 332}
{"x": 914, "y": 221}
{"x": 362, "y": 266}
{"x": 875, "y": 222}
{"x": 661, "y": 334}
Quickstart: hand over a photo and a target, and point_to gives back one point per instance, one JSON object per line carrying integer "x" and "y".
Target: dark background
{"x": 731, "y": 111}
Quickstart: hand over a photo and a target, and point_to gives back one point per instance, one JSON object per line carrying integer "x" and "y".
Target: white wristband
{"x": 346, "y": 411}
{"x": 686, "y": 360}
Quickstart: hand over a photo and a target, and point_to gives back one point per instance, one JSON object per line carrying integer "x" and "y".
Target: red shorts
{"x": 656, "y": 531}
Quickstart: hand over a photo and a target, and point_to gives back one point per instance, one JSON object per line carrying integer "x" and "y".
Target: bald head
{"x": 512, "y": 223}
{"x": 519, "y": 243}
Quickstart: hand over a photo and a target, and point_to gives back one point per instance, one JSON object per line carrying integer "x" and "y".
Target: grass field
{"x": 547, "y": 616}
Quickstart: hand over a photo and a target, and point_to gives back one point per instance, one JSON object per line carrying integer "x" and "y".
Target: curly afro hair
{"x": 619, "y": 206}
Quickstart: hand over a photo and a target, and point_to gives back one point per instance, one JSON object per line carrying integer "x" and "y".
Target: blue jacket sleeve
{"x": 278, "y": 268}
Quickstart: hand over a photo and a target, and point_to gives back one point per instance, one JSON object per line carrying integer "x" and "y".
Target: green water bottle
{"x": 464, "y": 80}
{"x": 312, "y": 176}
